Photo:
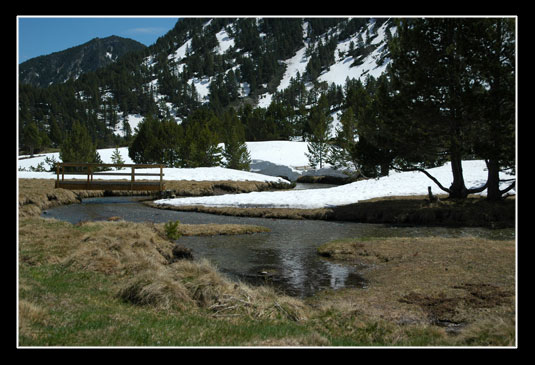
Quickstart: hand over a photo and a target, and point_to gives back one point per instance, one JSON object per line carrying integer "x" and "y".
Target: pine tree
{"x": 433, "y": 85}
{"x": 318, "y": 144}
{"x": 376, "y": 147}
{"x": 32, "y": 138}
{"x": 116, "y": 158}
{"x": 77, "y": 146}
{"x": 493, "y": 60}
{"x": 342, "y": 151}
{"x": 157, "y": 142}
{"x": 200, "y": 145}
{"x": 235, "y": 152}
{"x": 144, "y": 148}
{"x": 55, "y": 134}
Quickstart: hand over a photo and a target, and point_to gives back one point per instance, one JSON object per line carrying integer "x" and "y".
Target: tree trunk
{"x": 493, "y": 180}
{"x": 385, "y": 169}
{"x": 457, "y": 188}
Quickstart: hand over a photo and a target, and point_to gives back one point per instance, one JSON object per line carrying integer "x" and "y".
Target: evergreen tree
{"x": 200, "y": 145}
{"x": 55, "y": 134}
{"x": 433, "y": 85}
{"x": 376, "y": 146}
{"x": 235, "y": 152}
{"x": 318, "y": 144}
{"x": 32, "y": 137}
{"x": 493, "y": 61}
{"x": 116, "y": 158}
{"x": 342, "y": 151}
{"x": 127, "y": 130}
{"x": 157, "y": 142}
{"x": 77, "y": 146}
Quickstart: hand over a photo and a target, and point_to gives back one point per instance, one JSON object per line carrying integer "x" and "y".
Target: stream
{"x": 285, "y": 257}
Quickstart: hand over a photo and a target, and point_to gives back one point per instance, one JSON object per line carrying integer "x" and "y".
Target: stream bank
{"x": 36, "y": 195}
{"x": 285, "y": 256}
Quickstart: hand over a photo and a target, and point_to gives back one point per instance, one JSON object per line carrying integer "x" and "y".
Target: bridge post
{"x": 133, "y": 178}
{"x": 161, "y": 177}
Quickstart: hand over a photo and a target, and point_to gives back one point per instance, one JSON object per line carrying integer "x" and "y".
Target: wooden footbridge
{"x": 92, "y": 169}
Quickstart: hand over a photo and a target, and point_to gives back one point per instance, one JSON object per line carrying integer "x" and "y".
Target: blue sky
{"x": 39, "y": 36}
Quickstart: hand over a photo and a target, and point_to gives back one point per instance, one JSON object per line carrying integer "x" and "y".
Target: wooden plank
{"x": 113, "y": 173}
{"x": 139, "y": 166}
{"x": 108, "y": 185}
{"x": 90, "y": 184}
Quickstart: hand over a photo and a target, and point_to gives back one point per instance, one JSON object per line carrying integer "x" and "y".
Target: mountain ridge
{"x": 58, "y": 67}
{"x": 279, "y": 65}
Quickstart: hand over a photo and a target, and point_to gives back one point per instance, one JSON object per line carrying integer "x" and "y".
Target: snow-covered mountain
{"x": 220, "y": 62}
{"x": 356, "y": 55}
{"x": 358, "y": 48}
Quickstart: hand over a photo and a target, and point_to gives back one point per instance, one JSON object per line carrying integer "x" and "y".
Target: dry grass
{"x": 36, "y": 195}
{"x": 414, "y": 284}
{"x": 468, "y": 283}
{"x": 218, "y": 229}
{"x": 202, "y": 188}
{"x": 31, "y": 314}
{"x": 141, "y": 260}
{"x": 475, "y": 211}
{"x": 278, "y": 213}
{"x": 414, "y": 210}
{"x": 429, "y": 279}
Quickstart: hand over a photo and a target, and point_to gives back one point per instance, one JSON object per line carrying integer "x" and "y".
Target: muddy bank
{"x": 448, "y": 282}
{"x": 472, "y": 212}
{"x": 415, "y": 210}
{"x": 36, "y": 195}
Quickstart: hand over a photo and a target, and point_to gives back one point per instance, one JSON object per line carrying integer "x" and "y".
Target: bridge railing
{"x": 92, "y": 169}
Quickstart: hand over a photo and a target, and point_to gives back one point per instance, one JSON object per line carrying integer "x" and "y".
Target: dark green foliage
{"x": 171, "y": 230}
{"x": 59, "y": 66}
{"x": 157, "y": 142}
{"x": 343, "y": 149}
{"x": 449, "y": 95}
{"x": 235, "y": 152}
{"x": 32, "y": 138}
{"x": 116, "y": 158}
{"x": 494, "y": 64}
{"x": 318, "y": 145}
{"x": 100, "y": 98}
{"x": 77, "y": 146}
{"x": 321, "y": 58}
{"x": 199, "y": 147}
{"x": 436, "y": 105}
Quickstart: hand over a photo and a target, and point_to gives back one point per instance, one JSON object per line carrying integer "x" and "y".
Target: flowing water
{"x": 285, "y": 257}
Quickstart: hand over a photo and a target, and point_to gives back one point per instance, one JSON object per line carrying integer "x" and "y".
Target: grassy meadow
{"x": 117, "y": 283}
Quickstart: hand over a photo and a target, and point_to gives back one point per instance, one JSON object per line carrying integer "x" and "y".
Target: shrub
{"x": 171, "y": 230}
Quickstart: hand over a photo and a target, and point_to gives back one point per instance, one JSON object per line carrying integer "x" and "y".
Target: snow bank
{"x": 396, "y": 184}
{"x": 288, "y": 153}
{"x": 192, "y": 174}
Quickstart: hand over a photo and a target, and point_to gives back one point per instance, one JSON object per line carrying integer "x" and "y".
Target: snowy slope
{"x": 290, "y": 155}
{"x": 396, "y": 184}
{"x": 286, "y": 153}
{"x": 337, "y": 73}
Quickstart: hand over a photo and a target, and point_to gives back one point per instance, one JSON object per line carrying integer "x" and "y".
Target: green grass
{"x": 64, "y": 302}
{"x": 82, "y": 310}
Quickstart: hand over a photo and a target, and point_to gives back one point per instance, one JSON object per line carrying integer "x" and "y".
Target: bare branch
{"x": 428, "y": 175}
{"x": 478, "y": 190}
{"x": 508, "y": 188}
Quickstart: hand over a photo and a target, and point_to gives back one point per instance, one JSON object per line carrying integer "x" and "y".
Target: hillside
{"x": 58, "y": 67}
{"x": 280, "y": 65}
